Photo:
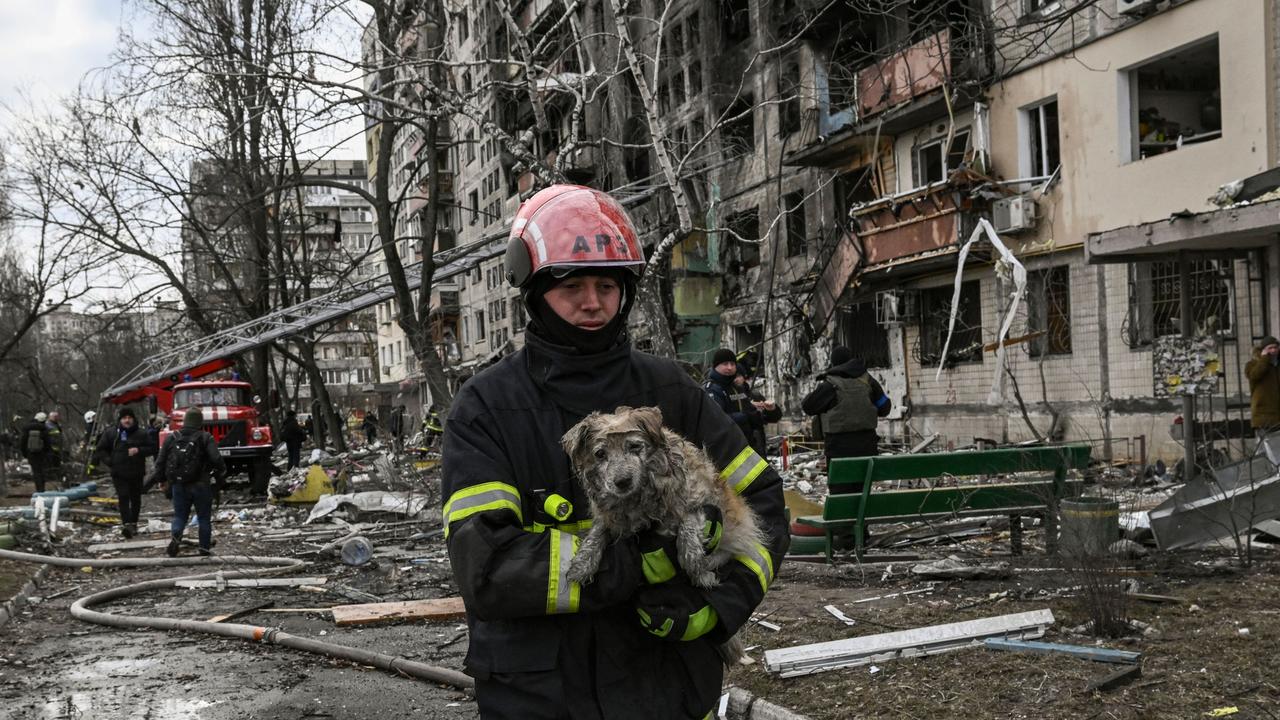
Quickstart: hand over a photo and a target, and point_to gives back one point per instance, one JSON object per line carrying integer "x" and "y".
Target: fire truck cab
{"x": 233, "y": 420}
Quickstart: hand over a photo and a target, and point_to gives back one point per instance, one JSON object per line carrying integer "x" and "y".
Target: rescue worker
{"x": 397, "y": 428}
{"x": 1263, "y": 372}
{"x": 638, "y": 641}
{"x": 370, "y": 428}
{"x": 125, "y": 450}
{"x": 57, "y": 449}
{"x": 850, "y": 402}
{"x": 767, "y": 411}
{"x": 293, "y": 435}
{"x": 188, "y": 465}
{"x": 732, "y": 399}
{"x": 34, "y": 445}
{"x": 431, "y": 427}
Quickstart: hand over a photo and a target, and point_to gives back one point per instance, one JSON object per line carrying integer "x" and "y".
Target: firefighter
{"x": 34, "y": 445}
{"x": 638, "y": 641}
{"x": 57, "y": 449}
{"x": 432, "y": 428}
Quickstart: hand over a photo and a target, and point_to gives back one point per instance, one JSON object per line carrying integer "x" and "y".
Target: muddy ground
{"x": 1196, "y": 660}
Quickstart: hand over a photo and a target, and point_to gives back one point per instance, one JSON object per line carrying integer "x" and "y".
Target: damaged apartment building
{"x": 839, "y": 157}
{"x": 1091, "y": 136}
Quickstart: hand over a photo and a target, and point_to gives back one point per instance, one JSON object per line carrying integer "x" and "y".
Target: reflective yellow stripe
{"x": 562, "y": 595}
{"x": 578, "y": 528}
{"x": 481, "y": 498}
{"x": 760, "y": 563}
{"x": 745, "y": 468}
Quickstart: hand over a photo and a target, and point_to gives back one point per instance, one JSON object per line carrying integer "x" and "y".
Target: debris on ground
{"x": 956, "y": 568}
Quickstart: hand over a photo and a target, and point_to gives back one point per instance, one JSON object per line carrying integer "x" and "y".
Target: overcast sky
{"x": 46, "y": 46}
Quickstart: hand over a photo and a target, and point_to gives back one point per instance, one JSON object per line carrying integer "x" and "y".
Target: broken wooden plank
{"x": 449, "y": 608}
{"x": 818, "y": 657}
{"x": 297, "y": 610}
{"x": 835, "y": 612}
{"x": 1097, "y": 654}
{"x": 128, "y": 545}
{"x": 1110, "y": 680}
{"x": 241, "y": 613}
{"x": 250, "y": 582}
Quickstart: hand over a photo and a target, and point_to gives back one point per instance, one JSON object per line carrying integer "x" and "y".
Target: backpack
{"x": 35, "y": 442}
{"x": 185, "y": 459}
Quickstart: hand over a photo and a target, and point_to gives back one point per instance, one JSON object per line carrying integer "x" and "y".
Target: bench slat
{"x": 943, "y": 501}
{"x": 847, "y": 471}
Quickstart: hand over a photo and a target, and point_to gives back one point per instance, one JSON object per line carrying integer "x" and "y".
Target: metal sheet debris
{"x": 1236, "y": 498}
{"x": 401, "y": 503}
{"x": 931, "y": 640}
{"x": 1096, "y": 654}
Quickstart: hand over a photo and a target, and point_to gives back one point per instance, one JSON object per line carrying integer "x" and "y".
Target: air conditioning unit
{"x": 1134, "y": 7}
{"x": 1013, "y": 214}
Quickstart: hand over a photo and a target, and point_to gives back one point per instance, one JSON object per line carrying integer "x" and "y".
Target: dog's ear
{"x": 573, "y": 440}
{"x": 649, "y": 420}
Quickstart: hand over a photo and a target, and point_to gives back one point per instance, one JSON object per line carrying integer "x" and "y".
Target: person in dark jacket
{"x": 638, "y": 641}
{"x": 1263, "y": 372}
{"x": 33, "y": 443}
{"x": 850, "y": 402}
{"x": 766, "y": 411}
{"x": 720, "y": 385}
{"x": 53, "y": 470}
{"x": 293, "y": 435}
{"x": 125, "y": 449}
{"x": 194, "y": 453}
{"x": 370, "y": 428}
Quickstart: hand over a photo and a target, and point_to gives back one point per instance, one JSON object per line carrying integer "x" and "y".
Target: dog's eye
{"x": 635, "y": 447}
{"x": 600, "y": 453}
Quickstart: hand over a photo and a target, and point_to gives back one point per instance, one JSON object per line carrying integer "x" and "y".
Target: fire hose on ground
{"x": 81, "y": 610}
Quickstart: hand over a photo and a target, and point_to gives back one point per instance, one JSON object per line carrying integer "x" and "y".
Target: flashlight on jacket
{"x": 557, "y": 507}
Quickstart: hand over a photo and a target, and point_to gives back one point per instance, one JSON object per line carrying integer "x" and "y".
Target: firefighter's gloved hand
{"x": 675, "y": 611}
{"x": 712, "y": 528}
{"x": 659, "y": 556}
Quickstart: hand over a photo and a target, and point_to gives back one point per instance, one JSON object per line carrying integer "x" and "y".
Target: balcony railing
{"x": 927, "y": 219}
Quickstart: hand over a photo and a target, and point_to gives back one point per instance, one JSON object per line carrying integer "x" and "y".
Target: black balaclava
{"x": 545, "y": 323}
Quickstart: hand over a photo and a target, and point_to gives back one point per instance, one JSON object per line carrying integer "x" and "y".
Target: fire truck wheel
{"x": 259, "y": 476}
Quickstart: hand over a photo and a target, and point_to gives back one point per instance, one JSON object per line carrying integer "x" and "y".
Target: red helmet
{"x": 567, "y": 227}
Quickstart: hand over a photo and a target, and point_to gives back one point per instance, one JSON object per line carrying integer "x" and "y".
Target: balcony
{"x": 910, "y": 73}
{"x": 925, "y": 223}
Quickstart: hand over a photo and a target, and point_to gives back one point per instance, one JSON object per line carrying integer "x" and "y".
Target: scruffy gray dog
{"x": 638, "y": 475}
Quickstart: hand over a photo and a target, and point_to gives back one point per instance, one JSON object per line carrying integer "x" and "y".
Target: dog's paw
{"x": 579, "y": 572}
{"x": 704, "y": 579}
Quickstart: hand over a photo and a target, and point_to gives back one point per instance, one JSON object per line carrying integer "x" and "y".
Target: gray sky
{"x": 46, "y": 46}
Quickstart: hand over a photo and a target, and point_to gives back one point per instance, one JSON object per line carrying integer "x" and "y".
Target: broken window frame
{"x": 738, "y": 134}
{"x": 796, "y": 227}
{"x": 858, "y": 330}
{"x": 1044, "y": 149}
{"x": 744, "y": 224}
{"x": 735, "y": 22}
{"x": 1049, "y": 311}
{"x": 1158, "y": 135}
{"x": 1155, "y": 293}
{"x": 935, "y": 315}
{"x": 951, "y": 160}
{"x": 789, "y": 84}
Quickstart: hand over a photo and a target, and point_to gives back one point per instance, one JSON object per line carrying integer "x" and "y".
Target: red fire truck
{"x": 230, "y": 412}
{"x": 231, "y": 417}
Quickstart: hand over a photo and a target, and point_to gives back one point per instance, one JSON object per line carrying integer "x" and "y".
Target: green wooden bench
{"x": 848, "y": 509}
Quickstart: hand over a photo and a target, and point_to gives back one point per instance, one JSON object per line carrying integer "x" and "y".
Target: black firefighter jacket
{"x": 502, "y": 454}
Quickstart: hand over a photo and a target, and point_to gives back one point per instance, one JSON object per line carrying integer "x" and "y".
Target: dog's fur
{"x": 638, "y": 476}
